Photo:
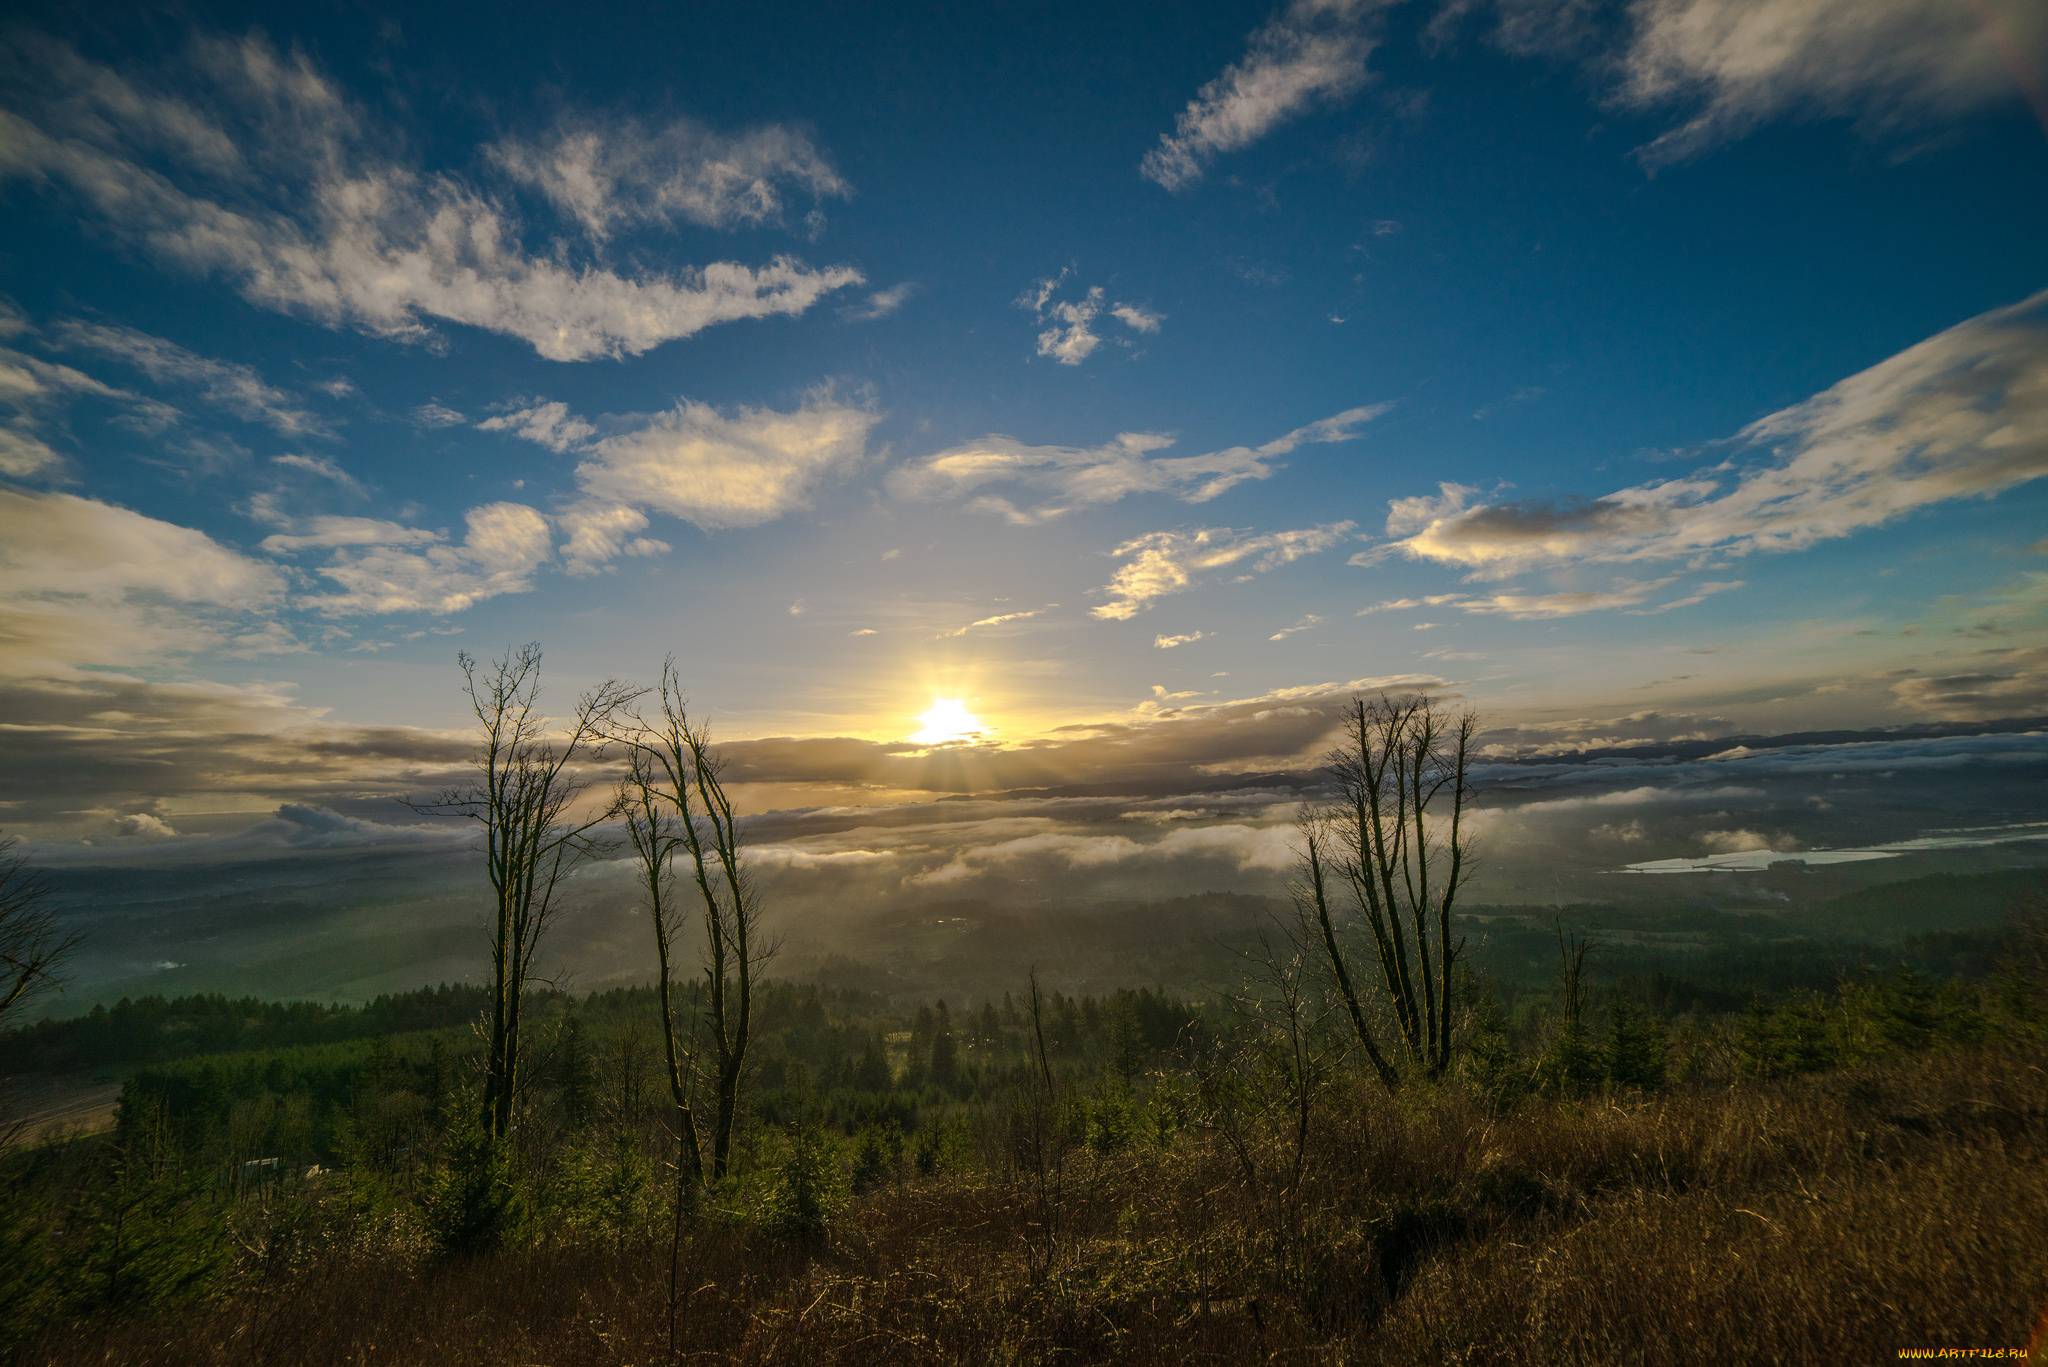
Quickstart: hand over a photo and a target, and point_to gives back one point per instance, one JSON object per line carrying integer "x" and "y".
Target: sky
{"x": 1130, "y": 383}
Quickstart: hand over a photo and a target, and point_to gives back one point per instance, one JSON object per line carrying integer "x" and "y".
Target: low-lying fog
{"x": 309, "y": 901}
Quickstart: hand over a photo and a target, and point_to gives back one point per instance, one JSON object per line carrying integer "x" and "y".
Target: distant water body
{"x": 1756, "y": 861}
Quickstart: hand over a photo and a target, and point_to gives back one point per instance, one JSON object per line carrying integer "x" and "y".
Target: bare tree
{"x": 32, "y": 945}
{"x": 1402, "y": 859}
{"x": 676, "y": 804}
{"x": 525, "y": 796}
{"x": 1275, "y": 1079}
{"x": 1044, "y": 1132}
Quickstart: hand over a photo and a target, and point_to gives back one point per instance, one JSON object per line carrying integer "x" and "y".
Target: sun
{"x": 948, "y": 720}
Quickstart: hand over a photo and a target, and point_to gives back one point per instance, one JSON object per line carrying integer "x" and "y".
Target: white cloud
{"x": 437, "y": 415}
{"x": 1162, "y": 563}
{"x": 600, "y": 533}
{"x": 1894, "y": 66}
{"x": 717, "y": 471}
{"x": 791, "y": 855}
{"x": 1307, "y": 622}
{"x": 1314, "y": 50}
{"x": 550, "y": 424}
{"x": 85, "y": 583}
{"x": 23, "y": 453}
{"x": 1071, "y": 337}
{"x": 226, "y": 384}
{"x": 693, "y": 463}
{"x": 300, "y": 217}
{"x": 406, "y": 569}
{"x": 607, "y": 178}
{"x": 1624, "y": 593}
{"x": 999, "y": 620}
{"x": 1963, "y": 414}
{"x": 882, "y": 303}
{"x": 143, "y": 825}
{"x": 1079, "y": 477}
{"x": 315, "y": 465}
{"x": 1246, "y": 847}
{"x": 36, "y": 390}
{"x": 1172, "y": 642}
{"x": 1137, "y": 318}
{"x": 1739, "y": 841}
{"x": 1532, "y": 606}
{"x": 325, "y": 533}
{"x": 1700, "y": 594}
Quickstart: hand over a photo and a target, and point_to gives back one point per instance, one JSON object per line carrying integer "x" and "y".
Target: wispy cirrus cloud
{"x": 1524, "y": 607}
{"x": 321, "y": 467}
{"x": 1074, "y": 477}
{"x": 1163, "y": 563}
{"x": 1306, "y": 622}
{"x": 269, "y": 180}
{"x": 998, "y": 620}
{"x": 36, "y": 391}
{"x": 608, "y": 176}
{"x": 1963, "y": 414}
{"x": 882, "y": 303}
{"x": 1904, "y": 71}
{"x": 237, "y": 388}
{"x": 1898, "y": 68}
{"x": 1313, "y": 51}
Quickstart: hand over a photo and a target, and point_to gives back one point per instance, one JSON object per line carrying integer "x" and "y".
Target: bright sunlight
{"x": 947, "y": 720}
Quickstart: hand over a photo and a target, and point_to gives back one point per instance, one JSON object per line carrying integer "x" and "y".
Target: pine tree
{"x": 945, "y": 1057}
{"x": 1126, "y": 1039}
{"x": 872, "y": 1072}
{"x": 1635, "y": 1047}
{"x": 575, "y": 1077}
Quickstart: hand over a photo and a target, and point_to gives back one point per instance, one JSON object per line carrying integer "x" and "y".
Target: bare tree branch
{"x": 525, "y": 797}
{"x": 1404, "y": 861}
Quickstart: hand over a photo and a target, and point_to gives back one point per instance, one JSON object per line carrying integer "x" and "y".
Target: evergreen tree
{"x": 1635, "y": 1047}
{"x": 1126, "y": 1039}
{"x": 575, "y": 1076}
{"x": 872, "y": 1072}
{"x": 945, "y": 1058}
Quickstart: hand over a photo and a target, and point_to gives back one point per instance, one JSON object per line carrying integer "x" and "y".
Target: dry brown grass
{"x": 1834, "y": 1219}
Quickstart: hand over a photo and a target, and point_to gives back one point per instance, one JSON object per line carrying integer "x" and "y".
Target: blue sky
{"x": 1637, "y": 371}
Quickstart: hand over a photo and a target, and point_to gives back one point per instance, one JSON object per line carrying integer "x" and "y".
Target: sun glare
{"x": 947, "y": 720}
